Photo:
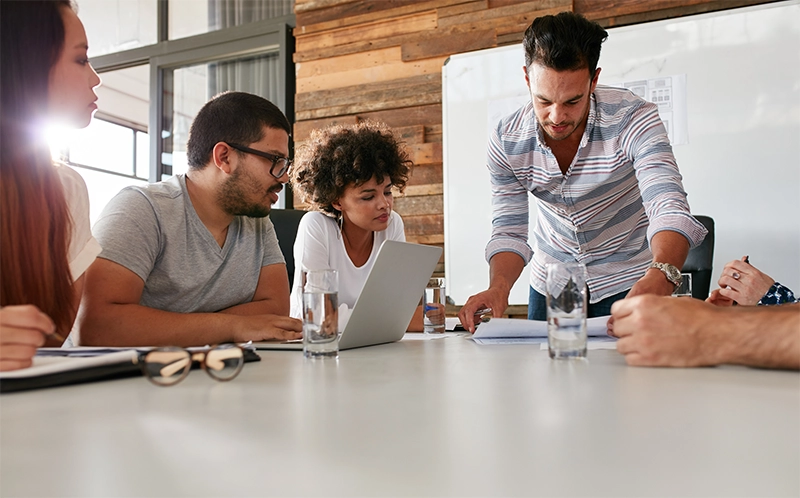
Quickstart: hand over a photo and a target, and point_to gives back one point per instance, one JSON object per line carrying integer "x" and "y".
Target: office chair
{"x": 700, "y": 261}
{"x": 286, "y": 222}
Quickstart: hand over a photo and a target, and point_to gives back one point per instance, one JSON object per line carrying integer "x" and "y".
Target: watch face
{"x": 674, "y": 274}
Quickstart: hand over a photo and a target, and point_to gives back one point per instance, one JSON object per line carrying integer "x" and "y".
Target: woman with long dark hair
{"x": 45, "y": 239}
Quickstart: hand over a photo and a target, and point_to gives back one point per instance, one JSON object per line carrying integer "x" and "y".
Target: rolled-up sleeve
{"x": 509, "y": 204}
{"x": 660, "y": 181}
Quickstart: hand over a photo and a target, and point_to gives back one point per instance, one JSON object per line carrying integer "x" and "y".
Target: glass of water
{"x": 433, "y": 304}
{"x": 567, "y": 305}
{"x": 320, "y": 313}
{"x": 685, "y": 289}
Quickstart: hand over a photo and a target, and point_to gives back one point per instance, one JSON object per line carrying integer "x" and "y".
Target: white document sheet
{"x": 419, "y": 336}
{"x": 517, "y": 331}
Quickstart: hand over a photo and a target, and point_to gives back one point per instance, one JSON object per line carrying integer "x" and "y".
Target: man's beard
{"x": 233, "y": 200}
{"x": 562, "y": 136}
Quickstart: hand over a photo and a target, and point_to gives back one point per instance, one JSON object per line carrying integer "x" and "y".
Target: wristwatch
{"x": 672, "y": 273}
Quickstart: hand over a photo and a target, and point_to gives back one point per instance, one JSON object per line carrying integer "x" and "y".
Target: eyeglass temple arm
{"x": 216, "y": 361}
{"x": 174, "y": 367}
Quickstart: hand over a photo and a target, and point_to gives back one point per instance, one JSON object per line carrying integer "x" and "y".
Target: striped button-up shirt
{"x": 622, "y": 188}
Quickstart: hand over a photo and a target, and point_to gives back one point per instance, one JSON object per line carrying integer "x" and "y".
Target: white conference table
{"x": 444, "y": 417}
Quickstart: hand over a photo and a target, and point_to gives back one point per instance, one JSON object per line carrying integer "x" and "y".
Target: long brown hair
{"x": 35, "y": 224}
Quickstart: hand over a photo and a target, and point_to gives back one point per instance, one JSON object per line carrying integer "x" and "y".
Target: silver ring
{"x": 736, "y": 275}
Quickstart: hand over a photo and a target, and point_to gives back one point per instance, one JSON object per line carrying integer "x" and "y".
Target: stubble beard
{"x": 233, "y": 199}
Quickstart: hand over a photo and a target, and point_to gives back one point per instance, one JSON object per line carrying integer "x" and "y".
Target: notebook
{"x": 54, "y": 367}
{"x": 388, "y": 300}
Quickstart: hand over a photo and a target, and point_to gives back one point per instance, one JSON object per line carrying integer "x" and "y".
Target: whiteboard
{"x": 741, "y": 164}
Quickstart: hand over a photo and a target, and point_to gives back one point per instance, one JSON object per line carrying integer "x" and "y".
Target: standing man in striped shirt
{"x": 599, "y": 162}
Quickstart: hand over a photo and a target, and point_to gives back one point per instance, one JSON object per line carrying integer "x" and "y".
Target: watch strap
{"x": 671, "y": 272}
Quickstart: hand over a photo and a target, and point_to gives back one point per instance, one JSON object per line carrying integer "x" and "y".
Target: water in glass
{"x": 320, "y": 324}
{"x": 567, "y": 335}
{"x": 567, "y": 304}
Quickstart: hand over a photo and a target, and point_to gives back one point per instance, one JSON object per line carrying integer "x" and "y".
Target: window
{"x": 152, "y": 88}
{"x": 116, "y": 25}
{"x": 193, "y": 17}
{"x": 113, "y": 151}
{"x": 192, "y": 86}
{"x": 109, "y": 158}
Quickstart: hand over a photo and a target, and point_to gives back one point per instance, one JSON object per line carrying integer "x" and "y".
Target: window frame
{"x": 133, "y": 129}
{"x": 268, "y": 36}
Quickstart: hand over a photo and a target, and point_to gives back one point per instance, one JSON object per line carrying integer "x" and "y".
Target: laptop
{"x": 388, "y": 300}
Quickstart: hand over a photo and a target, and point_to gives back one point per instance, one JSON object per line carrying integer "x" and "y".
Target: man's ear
{"x": 595, "y": 80}
{"x": 337, "y": 205}
{"x": 221, "y": 155}
{"x": 527, "y": 81}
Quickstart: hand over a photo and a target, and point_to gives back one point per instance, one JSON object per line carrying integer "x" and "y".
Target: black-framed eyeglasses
{"x": 280, "y": 165}
{"x": 169, "y": 365}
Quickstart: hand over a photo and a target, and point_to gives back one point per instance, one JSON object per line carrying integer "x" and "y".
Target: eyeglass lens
{"x": 282, "y": 165}
{"x": 224, "y": 362}
{"x": 168, "y": 366}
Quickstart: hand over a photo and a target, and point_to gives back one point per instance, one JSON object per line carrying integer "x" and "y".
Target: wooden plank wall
{"x": 382, "y": 60}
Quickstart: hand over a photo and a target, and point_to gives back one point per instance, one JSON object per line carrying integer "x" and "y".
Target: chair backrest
{"x": 700, "y": 261}
{"x": 286, "y": 222}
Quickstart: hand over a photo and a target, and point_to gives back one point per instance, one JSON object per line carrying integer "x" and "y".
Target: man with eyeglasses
{"x": 194, "y": 260}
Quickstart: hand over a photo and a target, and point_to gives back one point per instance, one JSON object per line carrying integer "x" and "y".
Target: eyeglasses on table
{"x": 166, "y": 366}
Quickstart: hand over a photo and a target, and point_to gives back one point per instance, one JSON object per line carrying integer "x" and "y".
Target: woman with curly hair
{"x": 46, "y": 242}
{"x": 347, "y": 175}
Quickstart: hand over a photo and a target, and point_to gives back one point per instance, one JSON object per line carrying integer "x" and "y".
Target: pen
{"x": 55, "y": 336}
{"x": 484, "y": 311}
{"x": 746, "y": 259}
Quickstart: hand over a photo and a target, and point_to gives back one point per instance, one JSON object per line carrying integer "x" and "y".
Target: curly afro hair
{"x": 337, "y": 157}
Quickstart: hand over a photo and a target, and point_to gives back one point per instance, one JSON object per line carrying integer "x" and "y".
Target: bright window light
{"x": 103, "y": 145}
{"x": 108, "y": 156}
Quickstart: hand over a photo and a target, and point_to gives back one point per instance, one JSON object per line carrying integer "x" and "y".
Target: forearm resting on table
{"x": 764, "y": 336}
{"x": 262, "y": 307}
{"x": 127, "y": 325}
{"x": 271, "y": 296}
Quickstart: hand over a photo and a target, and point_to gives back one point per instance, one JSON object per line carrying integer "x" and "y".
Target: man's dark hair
{"x": 233, "y": 117}
{"x": 564, "y": 42}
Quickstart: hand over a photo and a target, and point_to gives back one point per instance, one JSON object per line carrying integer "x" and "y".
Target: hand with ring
{"x": 741, "y": 283}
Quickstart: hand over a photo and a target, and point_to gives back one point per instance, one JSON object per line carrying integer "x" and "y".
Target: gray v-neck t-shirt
{"x": 154, "y": 231}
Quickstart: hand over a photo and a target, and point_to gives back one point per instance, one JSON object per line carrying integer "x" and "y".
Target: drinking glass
{"x": 566, "y": 310}
{"x": 320, "y": 313}
{"x": 433, "y": 307}
{"x": 685, "y": 289}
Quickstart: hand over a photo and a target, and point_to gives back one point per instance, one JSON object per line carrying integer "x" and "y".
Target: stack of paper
{"x": 513, "y": 331}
